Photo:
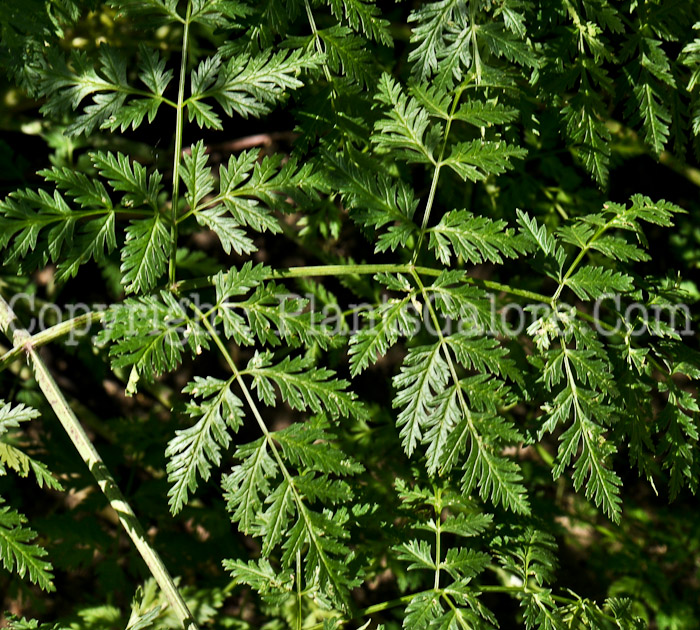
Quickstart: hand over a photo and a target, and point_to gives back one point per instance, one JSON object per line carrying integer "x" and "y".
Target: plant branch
{"x": 177, "y": 158}
{"x": 436, "y": 173}
{"x": 51, "y": 334}
{"x": 54, "y": 396}
{"x": 438, "y": 538}
{"x": 312, "y": 271}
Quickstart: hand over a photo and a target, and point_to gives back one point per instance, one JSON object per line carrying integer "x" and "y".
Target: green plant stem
{"x": 63, "y": 328}
{"x": 299, "y": 593}
{"x": 347, "y": 270}
{"x": 177, "y": 158}
{"x": 584, "y": 250}
{"x": 428, "y": 209}
{"x": 530, "y": 588}
{"x": 54, "y": 396}
{"x": 317, "y": 39}
{"x": 51, "y": 334}
{"x": 523, "y": 589}
{"x": 436, "y": 173}
{"x": 438, "y": 539}
{"x": 367, "y": 269}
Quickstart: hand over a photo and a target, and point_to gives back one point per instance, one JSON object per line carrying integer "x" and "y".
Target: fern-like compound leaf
{"x": 497, "y": 478}
{"x": 302, "y": 386}
{"x": 249, "y": 85}
{"x": 18, "y": 551}
{"x": 260, "y": 575}
{"x": 249, "y": 483}
{"x": 478, "y": 159}
{"x": 594, "y": 282}
{"x": 67, "y": 85}
{"x": 194, "y": 451}
{"x": 149, "y": 334}
{"x": 390, "y": 321}
{"x": 476, "y": 239}
{"x": 375, "y": 200}
{"x": 406, "y": 129}
{"x": 347, "y": 54}
{"x": 363, "y": 16}
{"x": 145, "y": 253}
{"x": 128, "y": 176}
{"x": 423, "y": 376}
{"x": 12, "y": 415}
{"x": 14, "y": 458}
{"x": 433, "y": 20}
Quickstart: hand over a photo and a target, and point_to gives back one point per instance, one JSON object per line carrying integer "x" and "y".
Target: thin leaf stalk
{"x": 177, "y": 157}
{"x": 317, "y": 40}
{"x": 438, "y": 539}
{"x": 584, "y": 250}
{"x": 299, "y": 593}
{"x": 368, "y": 269}
{"x": 458, "y": 615}
{"x": 436, "y": 173}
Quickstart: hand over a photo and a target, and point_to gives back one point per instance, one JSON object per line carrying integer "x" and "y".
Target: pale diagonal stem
{"x": 54, "y": 396}
{"x": 52, "y": 333}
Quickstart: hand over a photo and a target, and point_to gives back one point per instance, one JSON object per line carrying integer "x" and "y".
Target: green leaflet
{"x": 406, "y": 131}
{"x": 260, "y": 575}
{"x": 270, "y": 314}
{"x": 196, "y": 175}
{"x": 476, "y": 239}
{"x": 363, "y": 16}
{"x": 302, "y": 386}
{"x": 395, "y": 320}
{"x": 249, "y": 190}
{"x": 594, "y": 282}
{"x": 347, "y": 54}
{"x": 424, "y": 375}
{"x": 149, "y": 334}
{"x": 12, "y": 456}
{"x": 248, "y": 86}
{"x": 145, "y": 254}
{"x": 478, "y": 159}
{"x": 11, "y": 416}
{"x": 17, "y": 551}
{"x": 375, "y": 199}
{"x": 195, "y": 450}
